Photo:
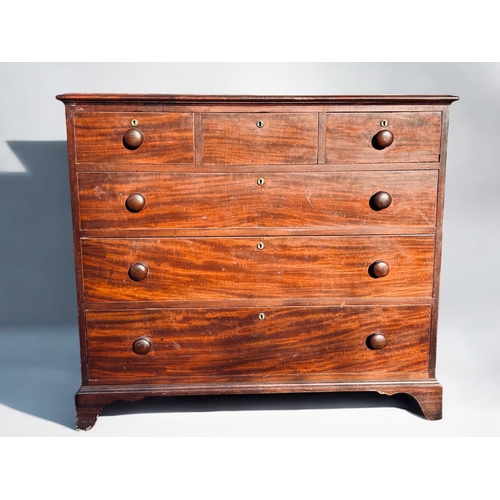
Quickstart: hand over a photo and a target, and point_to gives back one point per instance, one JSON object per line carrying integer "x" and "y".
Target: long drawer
{"x": 156, "y": 269}
{"x": 257, "y": 345}
{"x": 376, "y": 202}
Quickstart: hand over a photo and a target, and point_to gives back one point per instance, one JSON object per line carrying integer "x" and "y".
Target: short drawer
{"x": 369, "y": 202}
{"x": 383, "y": 137}
{"x": 206, "y": 268}
{"x": 162, "y": 346}
{"x": 123, "y": 140}
{"x": 260, "y": 138}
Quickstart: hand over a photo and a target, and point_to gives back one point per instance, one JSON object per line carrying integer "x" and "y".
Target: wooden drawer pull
{"x": 138, "y": 271}
{"x": 380, "y": 200}
{"x": 135, "y": 202}
{"x": 378, "y": 269}
{"x": 142, "y": 345}
{"x": 383, "y": 139}
{"x": 133, "y": 138}
{"x": 376, "y": 341}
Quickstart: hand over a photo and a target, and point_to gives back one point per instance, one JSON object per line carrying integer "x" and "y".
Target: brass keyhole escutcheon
{"x": 259, "y": 123}
{"x": 134, "y": 122}
{"x": 260, "y": 181}
{"x": 262, "y": 316}
{"x": 384, "y": 123}
{"x": 260, "y": 245}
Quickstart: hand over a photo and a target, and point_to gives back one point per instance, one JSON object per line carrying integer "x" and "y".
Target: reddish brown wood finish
{"x": 91, "y": 399}
{"x": 200, "y": 269}
{"x": 332, "y": 202}
{"x": 252, "y": 345}
{"x": 262, "y": 138}
{"x": 123, "y": 99}
{"x": 230, "y": 244}
{"x": 168, "y": 138}
{"x": 350, "y": 137}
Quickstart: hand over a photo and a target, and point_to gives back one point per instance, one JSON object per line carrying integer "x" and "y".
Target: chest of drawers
{"x": 244, "y": 244}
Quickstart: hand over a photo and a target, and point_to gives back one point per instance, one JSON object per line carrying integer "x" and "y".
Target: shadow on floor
{"x": 40, "y": 371}
{"x": 264, "y": 402}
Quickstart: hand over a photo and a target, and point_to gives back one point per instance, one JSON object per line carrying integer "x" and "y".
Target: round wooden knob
{"x": 138, "y": 271}
{"x": 135, "y": 202}
{"x": 379, "y": 269}
{"x": 142, "y": 345}
{"x": 380, "y": 200}
{"x": 376, "y": 341}
{"x": 133, "y": 138}
{"x": 384, "y": 139}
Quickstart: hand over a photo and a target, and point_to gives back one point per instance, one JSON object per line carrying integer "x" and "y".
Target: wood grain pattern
{"x": 221, "y": 345}
{"x": 234, "y": 138}
{"x": 334, "y": 202}
{"x": 90, "y": 399}
{"x": 122, "y": 99}
{"x": 349, "y": 136}
{"x": 233, "y": 268}
{"x": 223, "y": 316}
{"x": 168, "y": 138}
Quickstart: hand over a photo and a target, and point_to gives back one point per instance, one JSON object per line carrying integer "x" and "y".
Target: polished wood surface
{"x": 262, "y": 138}
{"x": 350, "y": 137}
{"x": 309, "y": 344}
{"x": 103, "y": 137}
{"x": 341, "y": 202}
{"x": 296, "y": 100}
{"x": 256, "y": 244}
{"x": 200, "y": 269}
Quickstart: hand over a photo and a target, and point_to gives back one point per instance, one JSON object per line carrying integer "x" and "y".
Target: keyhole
{"x": 260, "y": 123}
{"x": 134, "y": 122}
{"x": 260, "y": 181}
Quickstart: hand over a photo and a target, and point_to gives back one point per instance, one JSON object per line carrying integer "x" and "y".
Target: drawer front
{"x": 260, "y": 138}
{"x": 353, "y": 137}
{"x": 257, "y": 345}
{"x": 339, "y": 201}
{"x": 171, "y": 269}
{"x": 166, "y": 138}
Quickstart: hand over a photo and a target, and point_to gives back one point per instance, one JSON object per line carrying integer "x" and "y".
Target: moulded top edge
{"x": 269, "y": 99}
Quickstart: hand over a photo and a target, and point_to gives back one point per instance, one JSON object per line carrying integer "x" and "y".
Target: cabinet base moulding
{"x": 91, "y": 400}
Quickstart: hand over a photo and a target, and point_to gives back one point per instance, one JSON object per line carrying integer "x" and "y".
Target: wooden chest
{"x": 244, "y": 244}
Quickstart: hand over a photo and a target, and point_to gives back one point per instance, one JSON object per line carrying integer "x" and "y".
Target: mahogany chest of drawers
{"x": 244, "y": 244}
